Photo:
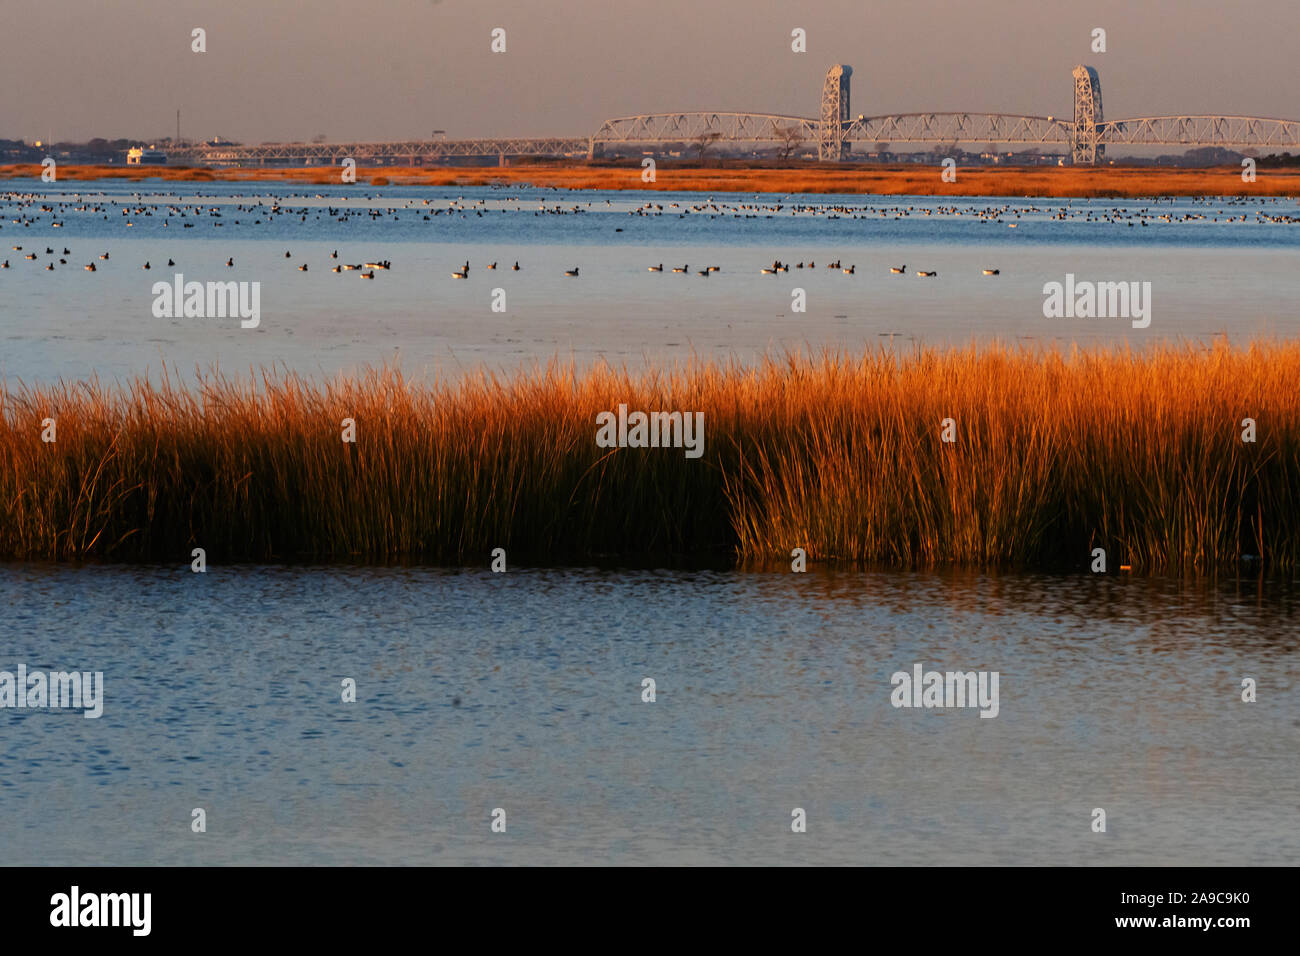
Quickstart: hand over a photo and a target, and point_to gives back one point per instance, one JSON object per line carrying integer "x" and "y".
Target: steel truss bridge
{"x": 834, "y": 132}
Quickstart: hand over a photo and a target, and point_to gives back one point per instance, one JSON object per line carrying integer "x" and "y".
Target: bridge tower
{"x": 835, "y": 113}
{"x": 1087, "y": 117}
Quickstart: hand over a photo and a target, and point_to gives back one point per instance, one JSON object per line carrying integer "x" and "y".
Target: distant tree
{"x": 703, "y": 142}
{"x": 790, "y": 139}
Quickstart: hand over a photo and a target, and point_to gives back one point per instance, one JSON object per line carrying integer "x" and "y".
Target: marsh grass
{"x": 848, "y": 178}
{"x": 1138, "y": 452}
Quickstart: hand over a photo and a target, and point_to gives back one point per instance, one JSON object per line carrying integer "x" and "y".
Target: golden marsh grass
{"x": 1056, "y": 453}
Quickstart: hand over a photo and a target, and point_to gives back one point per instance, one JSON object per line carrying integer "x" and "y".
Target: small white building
{"x": 139, "y": 156}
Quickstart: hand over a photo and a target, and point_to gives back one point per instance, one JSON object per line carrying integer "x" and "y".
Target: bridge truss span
{"x": 688, "y": 127}
{"x": 959, "y": 127}
{"x": 1226, "y": 131}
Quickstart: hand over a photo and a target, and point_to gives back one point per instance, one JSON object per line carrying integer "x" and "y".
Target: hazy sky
{"x": 397, "y": 69}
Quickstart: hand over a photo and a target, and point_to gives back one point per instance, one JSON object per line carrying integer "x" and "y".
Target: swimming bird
{"x": 170, "y": 263}
{"x": 460, "y": 274}
{"x": 337, "y": 269}
{"x": 926, "y": 274}
{"x": 286, "y": 254}
{"x": 850, "y": 270}
{"x": 492, "y": 266}
{"x": 901, "y": 270}
{"x": 6, "y": 264}
{"x": 30, "y": 255}
{"x": 50, "y": 267}
{"x": 67, "y": 252}
{"x": 516, "y": 267}
{"x": 368, "y": 275}
{"x": 702, "y": 272}
{"x": 334, "y": 254}
{"x": 104, "y": 256}
{"x": 767, "y": 272}
{"x": 146, "y": 266}
{"x": 230, "y": 263}
{"x": 685, "y": 268}
{"x": 658, "y": 268}
{"x": 571, "y": 272}
{"x": 90, "y": 267}
{"x": 303, "y": 267}
{"x": 992, "y": 272}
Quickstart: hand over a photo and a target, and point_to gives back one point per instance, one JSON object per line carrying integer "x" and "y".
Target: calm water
{"x": 1210, "y": 276}
{"x": 522, "y": 691}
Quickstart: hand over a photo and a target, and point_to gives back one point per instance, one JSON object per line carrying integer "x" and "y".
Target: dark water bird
{"x": 90, "y": 267}
{"x": 170, "y": 263}
{"x": 492, "y": 266}
{"x": 337, "y": 269}
{"x": 230, "y": 263}
{"x": 286, "y": 254}
{"x": 50, "y": 267}
{"x": 571, "y": 272}
{"x": 334, "y": 254}
{"x": 368, "y": 275}
{"x": 303, "y": 267}
{"x": 30, "y": 255}
{"x": 658, "y": 268}
{"x": 516, "y": 268}
{"x": 461, "y": 274}
{"x": 850, "y": 270}
{"x": 104, "y": 256}
{"x": 992, "y": 272}
{"x": 685, "y": 268}
{"x": 6, "y": 264}
{"x": 925, "y": 275}
{"x": 146, "y": 266}
{"x": 899, "y": 270}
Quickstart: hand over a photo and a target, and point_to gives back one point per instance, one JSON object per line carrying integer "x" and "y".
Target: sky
{"x": 282, "y": 70}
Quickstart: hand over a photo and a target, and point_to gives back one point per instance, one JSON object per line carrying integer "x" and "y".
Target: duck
{"x": 492, "y": 266}
{"x": 658, "y": 268}
{"x": 337, "y": 269}
{"x": 516, "y": 267}
{"x": 286, "y": 254}
{"x": 334, "y": 254}
{"x": 924, "y": 275}
{"x": 30, "y": 255}
{"x": 767, "y": 271}
{"x": 850, "y": 270}
{"x": 685, "y": 268}
{"x": 460, "y": 274}
{"x": 170, "y": 262}
{"x": 368, "y": 275}
{"x": 146, "y": 266}
{"x": 571, "y": 272}
{"x": 230, "y": 263}
{"x": 992, "y": 272}
{"x": 899, "y": 270}
{"x": 303, "y": 267}
{"x": 50, "y": 267}
{"x": 5, "y": 265}
{"x": 703, "y": 272}
{"x": 90, "y": 267}
{"x": 104, "y": 256}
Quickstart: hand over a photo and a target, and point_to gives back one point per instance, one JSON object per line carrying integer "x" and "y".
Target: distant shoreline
{"x": 1128, "y": 182}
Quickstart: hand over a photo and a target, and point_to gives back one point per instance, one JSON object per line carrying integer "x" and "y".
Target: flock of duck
{"x": 34, "y": 209}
